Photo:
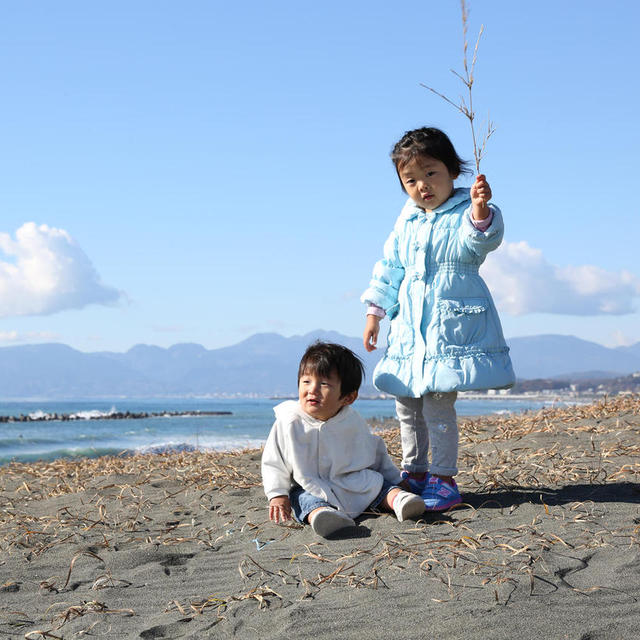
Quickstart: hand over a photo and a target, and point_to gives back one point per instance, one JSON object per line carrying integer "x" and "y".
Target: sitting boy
{"x": 321, "y": 460}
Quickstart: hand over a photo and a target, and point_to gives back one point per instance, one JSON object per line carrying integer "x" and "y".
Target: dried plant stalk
{"x": 466, "y": 108}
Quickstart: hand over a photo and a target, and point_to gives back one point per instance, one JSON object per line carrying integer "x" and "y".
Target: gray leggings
{"x": 427, "y": 423}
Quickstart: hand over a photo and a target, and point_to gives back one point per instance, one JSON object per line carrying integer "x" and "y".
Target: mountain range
{"x": 264, "y": 364}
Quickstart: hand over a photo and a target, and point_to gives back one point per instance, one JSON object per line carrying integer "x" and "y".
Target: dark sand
{"x": 547, "y": 545}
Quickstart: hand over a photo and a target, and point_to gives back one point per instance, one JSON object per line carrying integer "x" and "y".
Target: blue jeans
{"x": 303, "y": 502}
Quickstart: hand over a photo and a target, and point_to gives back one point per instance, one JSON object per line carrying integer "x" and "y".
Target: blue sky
{"x": 202, "y": 171}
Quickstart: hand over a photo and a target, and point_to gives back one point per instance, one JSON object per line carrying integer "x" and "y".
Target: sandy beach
{"x": 546, "y": 545}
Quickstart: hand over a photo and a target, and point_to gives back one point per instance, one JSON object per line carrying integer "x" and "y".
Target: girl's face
{"x": 427, "y": 181}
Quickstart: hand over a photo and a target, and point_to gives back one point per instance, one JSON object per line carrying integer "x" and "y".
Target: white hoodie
{"x": 338, "y": 460}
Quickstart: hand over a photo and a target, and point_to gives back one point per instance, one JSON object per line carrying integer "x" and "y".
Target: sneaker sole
{"x": 445, "y": 506}
{"x": 412, "y": 509}
{"x": 327, "y": 522}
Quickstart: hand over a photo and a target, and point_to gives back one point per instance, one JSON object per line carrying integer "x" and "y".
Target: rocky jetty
{"x": 115, "y": 415}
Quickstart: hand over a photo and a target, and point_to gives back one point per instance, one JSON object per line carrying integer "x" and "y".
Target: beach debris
{"x": 84, "y": 608}
{"x": 260, "y": 544}
{"x": 11, "y": 586}
{"x": 73, "y": 561}
{"x": 537, "y": 493}
{"x": 32, "y": 635}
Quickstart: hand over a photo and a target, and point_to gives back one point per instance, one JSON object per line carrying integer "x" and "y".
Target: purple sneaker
{"x": 439, "y": 495}
{"x": 416, "y": 486}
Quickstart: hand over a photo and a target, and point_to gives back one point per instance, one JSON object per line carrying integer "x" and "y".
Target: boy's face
{"x": 320, "y": 395}
{"x": 427, "y": 182}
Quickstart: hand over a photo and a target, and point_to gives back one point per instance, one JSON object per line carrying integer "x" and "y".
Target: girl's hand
{"x": 371, "y": 331}
{"x": 480, "y": 195}
{"x": 279, "y": 509}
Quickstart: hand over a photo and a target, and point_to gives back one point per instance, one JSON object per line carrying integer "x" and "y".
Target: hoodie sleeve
{"x": 276, "y": 473}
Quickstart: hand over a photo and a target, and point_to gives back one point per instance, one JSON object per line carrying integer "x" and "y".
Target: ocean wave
{"x": 89, "y": 414}
{"x": 93, "y": 414}
{"x": 13, "y": 454}
{"x": 40, "y": 415}
{"x": 234, "y": 444}
{"x": 62, "y": 453}
{"x": 21, "y": 441}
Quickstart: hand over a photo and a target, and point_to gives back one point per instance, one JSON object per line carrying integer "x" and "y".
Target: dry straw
{"x": 540, "y": 488}
{"x": 466, "y": 106}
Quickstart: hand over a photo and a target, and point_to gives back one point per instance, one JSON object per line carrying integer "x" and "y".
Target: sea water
{"x": 92, "y": 435}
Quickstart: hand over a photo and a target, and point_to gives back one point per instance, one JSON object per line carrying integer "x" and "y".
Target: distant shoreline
{"x": 575, "y": 398}
{"x": 580, "y": 396}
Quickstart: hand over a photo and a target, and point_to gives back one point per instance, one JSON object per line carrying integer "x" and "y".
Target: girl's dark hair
{"x": 324, "y": 358}
{"x": 427, "y": 141}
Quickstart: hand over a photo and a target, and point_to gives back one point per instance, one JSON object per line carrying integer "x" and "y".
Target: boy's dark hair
{"x": 323, "y": 358}
{"x": 427, "y": 141}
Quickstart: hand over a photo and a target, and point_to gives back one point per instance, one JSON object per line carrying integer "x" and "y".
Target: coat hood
{"x": 412, "y": 210}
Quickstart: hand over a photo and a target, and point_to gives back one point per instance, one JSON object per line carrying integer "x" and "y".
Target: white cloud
{"x": 47, "y": 272}
{"x": 29, "y": 336}
{"x": 621, "y": 339}
{"x": 522, "y": 281}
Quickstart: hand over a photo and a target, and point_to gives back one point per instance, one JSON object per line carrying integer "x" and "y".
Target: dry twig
{"x": 466, "y": 107}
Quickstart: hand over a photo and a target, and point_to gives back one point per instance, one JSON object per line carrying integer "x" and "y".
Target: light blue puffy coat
{"x": 445, "y": 334}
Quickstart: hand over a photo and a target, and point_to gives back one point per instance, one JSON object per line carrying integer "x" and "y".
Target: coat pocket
{"x": 463, "y": 321}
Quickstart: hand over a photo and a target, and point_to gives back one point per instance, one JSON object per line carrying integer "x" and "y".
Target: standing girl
{"x": 445, "y": 334}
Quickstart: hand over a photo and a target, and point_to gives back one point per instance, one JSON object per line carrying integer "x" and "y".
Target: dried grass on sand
{"x": 180, "y": 545}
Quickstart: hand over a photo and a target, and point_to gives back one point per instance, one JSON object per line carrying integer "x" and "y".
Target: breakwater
{"x": 113, "y": 415}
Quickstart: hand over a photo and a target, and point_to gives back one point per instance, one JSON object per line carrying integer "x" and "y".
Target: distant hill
{"x": 264, "y": 364}
{"x": 634, "y": 349}
{"x": 553, "y": 356}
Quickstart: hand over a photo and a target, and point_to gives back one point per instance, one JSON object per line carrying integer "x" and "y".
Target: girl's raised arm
{"x": 480, "y": 195}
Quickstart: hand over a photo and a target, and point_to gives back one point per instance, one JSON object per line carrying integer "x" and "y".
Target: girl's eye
{"x": 430, "y": 173}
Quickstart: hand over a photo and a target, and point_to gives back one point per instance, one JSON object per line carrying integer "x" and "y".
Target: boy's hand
{"x": 480, "y": 194}
{"x": 371, "y": 331}
{"x": 279, "y": 509}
